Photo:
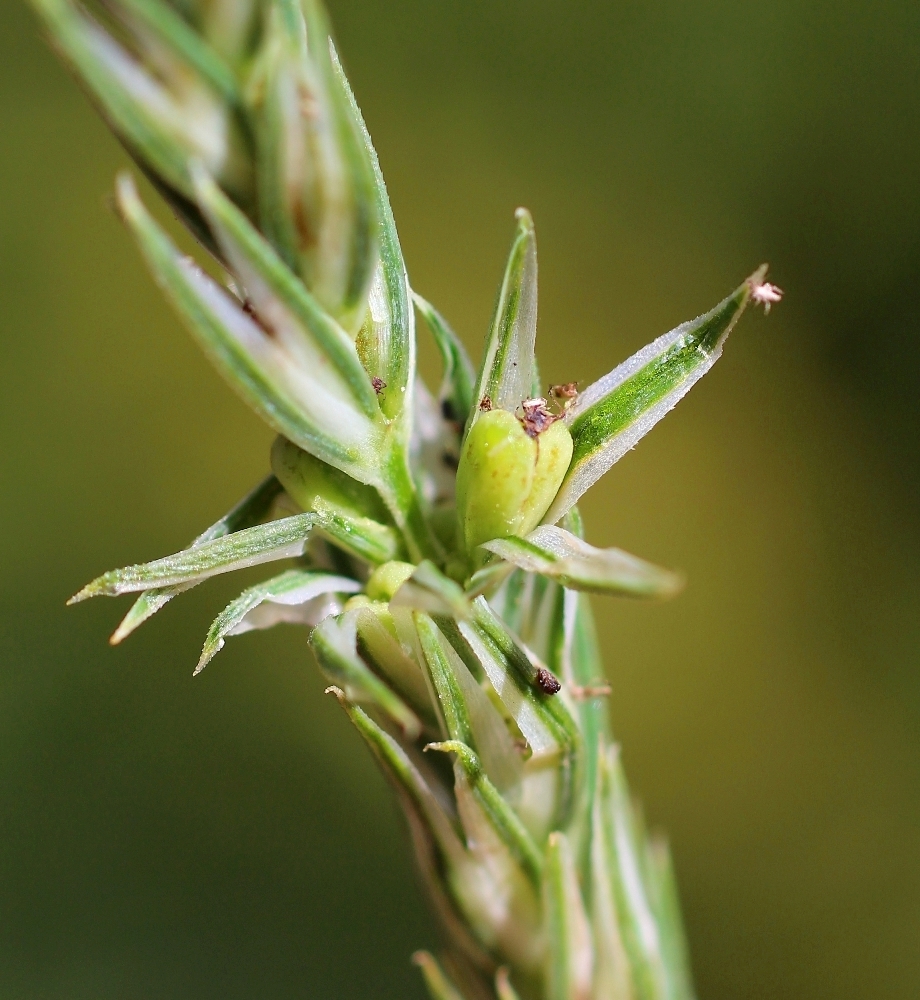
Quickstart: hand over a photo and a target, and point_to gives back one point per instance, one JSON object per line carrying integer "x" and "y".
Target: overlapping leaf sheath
{"x": 431, "y": 543}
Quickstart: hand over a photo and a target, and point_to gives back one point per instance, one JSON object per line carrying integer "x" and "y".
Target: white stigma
{"x": 766, "y": 294}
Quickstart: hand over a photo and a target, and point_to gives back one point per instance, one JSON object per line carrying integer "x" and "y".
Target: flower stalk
{"x": 430, "y": 542}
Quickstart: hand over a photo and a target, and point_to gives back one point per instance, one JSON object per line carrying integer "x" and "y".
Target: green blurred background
{"x": 228, "y": 837}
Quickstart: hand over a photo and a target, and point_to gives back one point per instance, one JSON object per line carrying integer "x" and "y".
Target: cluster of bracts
{"x": 431, "y": 542}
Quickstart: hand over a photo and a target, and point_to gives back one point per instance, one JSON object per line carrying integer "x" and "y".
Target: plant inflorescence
{"x": 431, "y": 542}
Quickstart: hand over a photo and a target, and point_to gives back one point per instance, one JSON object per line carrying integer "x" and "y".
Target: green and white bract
{"x": 431, "y": 543}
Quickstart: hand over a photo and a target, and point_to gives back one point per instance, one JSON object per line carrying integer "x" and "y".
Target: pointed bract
{"x": 388, "y": 337}
{"x": 164, "y": 123}
{"x": 283, "y": 539}
{"x": 508, "y": 827}
{"x": 316, "y": 183}
{"x": 569, "y": 962}
{"x": 293, "y": 400}
{"x": 252, "y": 509}
{"x": 614, "y": 413}
{"x": 457, "y": 394}
{"x": 334, "y": 641}
{"x": 288, "y": 597}
{"x": 439, "y": 985}
{"x": 282, "y": 304}
{"x": 558, "y": 554}
{"x": 506, "y": 376}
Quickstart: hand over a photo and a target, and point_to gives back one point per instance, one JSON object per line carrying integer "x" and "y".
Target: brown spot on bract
{"x": 547, "y": 682}
{"x": 378, "y": 384}
{"x": 485, "y": 404}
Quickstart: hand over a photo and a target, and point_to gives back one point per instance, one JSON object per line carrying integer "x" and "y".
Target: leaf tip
{"x": 524, "y": 220}
{"x": 338, "y": 693}
{"x": 757, "y": 277}
{"x": 127, "y": 200}
{"x": 125, "y": 628}
{"x": 208, "y": 653}
{"x": 672, "y": 582}
{"x": 90, "y": 590}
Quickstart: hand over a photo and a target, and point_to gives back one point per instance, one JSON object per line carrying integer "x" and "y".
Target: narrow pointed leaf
{"x": 446, "y": 685}
{"x": 145, "y": 607}
{"x": 505, "y": 822}
{"x": 641, "y": 935}
{"x": 313, "y": 338}
{"x": 384, "y": 352}
{"x": 280, "y": 128}
{"x": 292, "y": 595}
{"x": 379, "y": 645}
{"x": 543, "y": 736}
{"x": 439, "y": 985}
{"x": 569, "y": 958}
{"x": 560, "y": 555}
{"x": 469, "y": 715}
{"x": 544, "y": 719}
{"x": 388, "y": 338}
{"x": 289, "y": 399}
{"x": 614, "y": 413}
{"x": 317, "y": 198}
{"x": 538, "y": 613}
{"x": 386, "y": 345}
{"x": 506, "y": 375}
{"x": 334, "y": 641}
{"x": 613, "y": 972}
{"x": 582, "y": 669}
{"x": 525, "y": 674}
{"x": 252, "y": 509}
{"x": 500, "y": 899}
{"x": 458, "y": 388}
{"x": 160, "y": 129}
{"x": 407, "y": 778}
{"x": 673, "y": 935}
{"x": 453, "y": 878}
{"x": 346, "y": 257}
{"x": 282, "y": 539}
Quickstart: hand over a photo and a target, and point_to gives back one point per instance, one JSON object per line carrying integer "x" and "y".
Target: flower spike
{"x": 430, "y": 545}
